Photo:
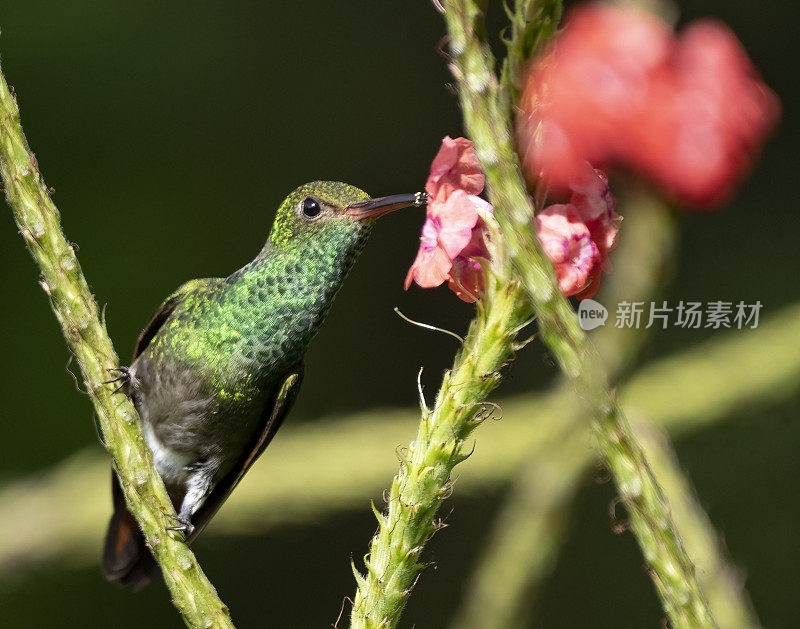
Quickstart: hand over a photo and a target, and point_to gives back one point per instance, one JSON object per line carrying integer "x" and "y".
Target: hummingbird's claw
{"x": 124, "y": 378}
{"x": 184, "y": 526}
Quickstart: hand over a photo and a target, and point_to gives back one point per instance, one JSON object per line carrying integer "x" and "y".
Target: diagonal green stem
{"x": 88, "y": 341}
{"x": 393, "y": 563}
{"x": 532, "y": 524}
{"x": 485, "y": 105}
{"x": 530, "y": 528}
{"x": 719, "y": 578}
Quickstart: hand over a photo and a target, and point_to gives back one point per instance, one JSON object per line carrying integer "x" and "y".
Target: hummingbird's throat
{"x": 285, "y": 295}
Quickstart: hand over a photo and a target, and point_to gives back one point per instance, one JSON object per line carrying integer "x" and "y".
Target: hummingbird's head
{"x": 333, "y": 213}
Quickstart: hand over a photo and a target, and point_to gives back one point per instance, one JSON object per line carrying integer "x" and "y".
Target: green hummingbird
{"x": 219, "y": 365}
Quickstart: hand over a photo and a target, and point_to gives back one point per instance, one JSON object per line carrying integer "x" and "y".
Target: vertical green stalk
{"x": 533, "y": 23}
{"x": 485, "y": 106}
{"x": 530, "y": 528}
{"x": 393, "y": 563}
{"x": 87, "y": 339}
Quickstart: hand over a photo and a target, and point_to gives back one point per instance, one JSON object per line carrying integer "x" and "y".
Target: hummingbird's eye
{"x": 310, "y": 208}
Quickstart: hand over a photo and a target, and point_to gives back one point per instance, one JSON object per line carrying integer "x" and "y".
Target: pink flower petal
{"x": 456, "y": 219}
{"x": 453, "y": 237}
{"x": 567, "y": 242}
{"x": 455, "y": 167}
{"x": 592, "y": 199}
{"x": 430, "y": 235}
{"x": 466, "y": 279}
{"x": 458, "y": 211}
{"x": 430, "y": 268}
{"x": 476, "y": 248}
{"x": 591, "y": 195}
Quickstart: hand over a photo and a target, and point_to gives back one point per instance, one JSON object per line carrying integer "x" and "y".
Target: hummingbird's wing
{"x": 126, "y": 558}
{"x": 271, "y": 419}
{"x": 166, "y": 309}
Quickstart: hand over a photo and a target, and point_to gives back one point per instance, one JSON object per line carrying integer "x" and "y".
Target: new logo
{"x": 591, "y": 314}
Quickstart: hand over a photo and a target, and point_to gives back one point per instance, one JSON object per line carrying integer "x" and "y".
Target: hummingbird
{"x": 219, "y": 365}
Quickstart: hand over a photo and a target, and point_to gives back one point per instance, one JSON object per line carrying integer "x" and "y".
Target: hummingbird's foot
{"x": 184, "y": 525}
{"x": 124, "y": 378}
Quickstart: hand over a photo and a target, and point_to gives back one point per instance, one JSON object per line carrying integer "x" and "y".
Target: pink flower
{"x": 617, "y": 87}
{"x": 447, "y": 232}
{"x": 567, "y": 242}
{"x": 578, "y": 236}
{"x": 455, "y": 167}
{"x": 452, "y": 246}
{"x": 466, "y": 274}
{"x": 579, "y": 94}
{"x": 592, "y": 199}
{"x": 709, "y": 116}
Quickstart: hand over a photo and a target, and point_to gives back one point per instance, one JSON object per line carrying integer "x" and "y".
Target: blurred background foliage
{"x": 171, "y": 130}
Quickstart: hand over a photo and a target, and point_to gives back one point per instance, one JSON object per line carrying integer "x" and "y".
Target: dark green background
{"x": 170, "y": 131}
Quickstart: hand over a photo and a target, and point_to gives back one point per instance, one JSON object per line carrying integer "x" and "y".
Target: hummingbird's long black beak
{"x": 373, "y": 208}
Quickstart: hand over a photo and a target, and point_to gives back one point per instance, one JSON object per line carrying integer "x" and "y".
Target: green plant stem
{"x": 485, "y": 106}
{"x": 707, "y": 386}
{"x": 528, "y": 531}
{"x": 643, "y": 265}
{"x": 531, "y": 526}
{"x": 533, "y": 23}
{"x": 722, "y": 582}
{"x": 88, "y": 341}
{"x": 393, "y": 563}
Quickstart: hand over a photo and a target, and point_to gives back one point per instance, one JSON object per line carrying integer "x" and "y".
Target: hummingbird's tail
{"x": 126, "y": 558}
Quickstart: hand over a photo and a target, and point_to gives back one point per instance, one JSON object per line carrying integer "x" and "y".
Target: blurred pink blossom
{"x": 617, "y": 87}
